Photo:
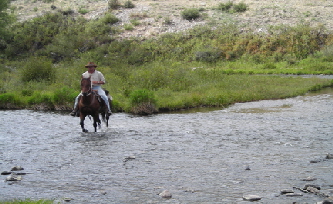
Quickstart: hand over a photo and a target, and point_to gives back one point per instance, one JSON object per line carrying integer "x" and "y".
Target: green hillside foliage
{"x": 43, "y": 59}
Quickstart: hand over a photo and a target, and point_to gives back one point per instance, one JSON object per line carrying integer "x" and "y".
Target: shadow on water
{"x": 200, "y": 155}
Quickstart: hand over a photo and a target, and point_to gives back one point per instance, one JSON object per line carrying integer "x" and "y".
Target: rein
{"x": 87, "y": 93}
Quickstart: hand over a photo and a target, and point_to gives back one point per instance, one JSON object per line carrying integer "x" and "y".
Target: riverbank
{"x": 190, "y": 89}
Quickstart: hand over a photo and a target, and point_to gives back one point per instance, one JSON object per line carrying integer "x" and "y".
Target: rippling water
{"x": 200, "y": 157}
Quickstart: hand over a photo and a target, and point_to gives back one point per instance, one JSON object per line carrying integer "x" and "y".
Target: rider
{"x": 97, "y": 79}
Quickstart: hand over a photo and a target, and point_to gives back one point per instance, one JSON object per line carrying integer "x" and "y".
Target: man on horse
{"x": 97, "y": 79}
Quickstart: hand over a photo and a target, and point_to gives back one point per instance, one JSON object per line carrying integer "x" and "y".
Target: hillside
{"x": 152, "y": 15}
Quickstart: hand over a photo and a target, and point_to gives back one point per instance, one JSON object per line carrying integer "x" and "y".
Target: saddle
{"x": 100, "y": 100}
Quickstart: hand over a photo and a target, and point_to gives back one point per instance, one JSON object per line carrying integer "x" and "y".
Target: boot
{"x": 74, "y": 112}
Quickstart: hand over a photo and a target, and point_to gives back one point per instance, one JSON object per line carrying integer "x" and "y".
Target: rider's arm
{"x": 101, "y": 79}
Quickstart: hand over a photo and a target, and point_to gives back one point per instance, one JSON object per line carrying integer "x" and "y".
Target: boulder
{"x": 294, "y": 194}
{"x": 165, "y": 194}
{"x": 17, "y": 168}
{"x": 13, "y": 178}
{"x": 285, "y": 191}
{"x": 251, "y": 197}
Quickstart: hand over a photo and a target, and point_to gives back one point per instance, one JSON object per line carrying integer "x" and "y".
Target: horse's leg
{"x": 82, "y": 117}
{"x": 96, "y": 121}
{"x": 107, "y": 120}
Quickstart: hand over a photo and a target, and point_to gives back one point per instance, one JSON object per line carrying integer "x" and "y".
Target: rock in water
{"x": 285, "y": 191}
{"x": 329, "y": 156}
{"x": 6, "y": 173}
{"x": 13, "y": 178}
{"x": 309, "y": 179}
{"x": 251, "y": 197}
{"x": 17, "y": 168}
{"x": 165, "y": 194}
{"x": 293, "y": 194}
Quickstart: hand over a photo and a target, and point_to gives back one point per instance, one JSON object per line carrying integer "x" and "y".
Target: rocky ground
{"x": 160, "y": 16}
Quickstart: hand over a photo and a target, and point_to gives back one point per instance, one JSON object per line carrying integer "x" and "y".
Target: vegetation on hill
{"x": 212, "y": 65}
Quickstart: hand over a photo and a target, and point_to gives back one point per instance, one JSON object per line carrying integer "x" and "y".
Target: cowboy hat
{"x": 91, "y": 64}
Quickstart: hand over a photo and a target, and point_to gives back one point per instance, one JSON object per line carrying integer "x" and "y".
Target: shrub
{"x": 39, "y": 98}
{"x": 7, "y": 98}
{"x": 129, "y": 4}
{"x": 230, "y": 7}
{"x": 167, "y": 21}
{"x": 326, "y": 54}
{"x": 225, "y": 6}
{"x": 207, "y": 56}
{"x": 83, "y": 11}
{"x": 128, "y": 26}
{"x": 64, "y": 95}
{"x": 109, "y": 19}
{"x": 143, "y": 102}
{"x": 139, "y": 56}
{"x": 10, "y": 100}
{"x": 269, "y": 66}
{"x": 135, "y": 22}
{"x": 38, "y": 69}
{"x": 241, "y": 7}
{"x": 141, "y": 96}
{"x": 27, "y": 92}
{"x": 114, "y": 4}
{"x": 190, "y": 14}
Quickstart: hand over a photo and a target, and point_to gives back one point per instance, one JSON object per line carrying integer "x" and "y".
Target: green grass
{"x": 27, "y": 201}
{"x": 168, "y": 86}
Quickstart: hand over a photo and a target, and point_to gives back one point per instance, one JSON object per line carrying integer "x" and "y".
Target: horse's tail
{"x": 107, "y": 93}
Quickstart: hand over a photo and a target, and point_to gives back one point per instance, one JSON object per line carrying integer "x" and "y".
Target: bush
{"x": 10, "y": 100}
{"x": 208, "y": 56}
{"x": 141, "y": 96}
{"x": 38, "y": 69}
{"x": 129, "y": 4}
{"x": 109, "y": 19}
{"x": 114, "y": 4}
{"x": 143, "y": 102}
{"x": 38, "y": 98}
{"x": 230, "y": 7}
{"x": 190, "y": 14}
{"x": 269, "y": 66}
{"x": 64, "y": 95}
{"x": 241, "y": 7}
{"x": 225, "y": 6}
{"x": 326, "y": 54}
{"x": 83, "y": 11}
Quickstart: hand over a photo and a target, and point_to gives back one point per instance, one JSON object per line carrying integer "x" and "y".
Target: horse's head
{"x": 85, "y": 86}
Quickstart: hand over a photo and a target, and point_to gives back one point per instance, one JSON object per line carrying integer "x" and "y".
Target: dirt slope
{"x": 160, "y": 16}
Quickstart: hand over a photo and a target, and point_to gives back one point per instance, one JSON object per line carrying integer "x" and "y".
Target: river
{"x": 202, "y": 156}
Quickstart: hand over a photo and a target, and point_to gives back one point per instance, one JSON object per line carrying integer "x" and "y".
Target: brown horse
{"x": 91, "y": 104}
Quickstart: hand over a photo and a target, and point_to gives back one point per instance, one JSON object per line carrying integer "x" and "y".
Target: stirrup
{"x": 73, "y": 113}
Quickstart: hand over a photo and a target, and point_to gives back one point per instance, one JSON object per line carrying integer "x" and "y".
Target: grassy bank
{"x": 202, "y": 67}
{"x": 27, "y": 201}
{"x": 164, "y": 88}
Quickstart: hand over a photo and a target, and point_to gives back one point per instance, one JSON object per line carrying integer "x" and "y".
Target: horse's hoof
{"x": 84, "y": 130}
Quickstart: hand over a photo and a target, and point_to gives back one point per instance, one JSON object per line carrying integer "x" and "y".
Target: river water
{"x": 202, "y": 156}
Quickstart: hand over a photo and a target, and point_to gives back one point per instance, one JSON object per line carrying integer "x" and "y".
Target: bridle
{"x": 88, "y": 92}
